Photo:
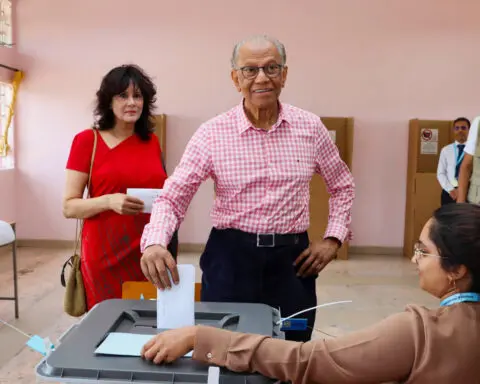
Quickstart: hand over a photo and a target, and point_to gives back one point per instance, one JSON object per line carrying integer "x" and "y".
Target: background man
{"x": 261, "y": 155}
{"x": 450, "y": 160}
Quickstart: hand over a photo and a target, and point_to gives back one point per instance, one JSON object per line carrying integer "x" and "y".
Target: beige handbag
{"x": 75, "y": 301}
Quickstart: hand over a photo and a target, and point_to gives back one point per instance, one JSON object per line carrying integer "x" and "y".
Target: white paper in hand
{"x": 176, "y": 306}
{"x": 148, "y": 196}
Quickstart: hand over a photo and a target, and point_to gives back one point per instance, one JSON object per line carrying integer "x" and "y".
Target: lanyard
{"x": 461, "y": 298}
{"x": 458, "y": 159}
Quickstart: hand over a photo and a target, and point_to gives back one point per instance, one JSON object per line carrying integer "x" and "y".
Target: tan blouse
{"x": 416, "y": 346}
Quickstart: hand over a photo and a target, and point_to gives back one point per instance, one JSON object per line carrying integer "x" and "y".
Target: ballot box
{"x": 74, "y": 359}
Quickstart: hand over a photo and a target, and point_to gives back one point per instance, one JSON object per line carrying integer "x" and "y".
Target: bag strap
{"x": 77, "y": 234}
{"x": 62, "y": 274}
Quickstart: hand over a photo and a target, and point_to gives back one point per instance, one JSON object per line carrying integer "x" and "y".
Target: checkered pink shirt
{"x": 262, "y": 178}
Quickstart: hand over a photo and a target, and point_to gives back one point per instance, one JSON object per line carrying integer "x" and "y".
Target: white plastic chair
{"x": 8, "y": 237}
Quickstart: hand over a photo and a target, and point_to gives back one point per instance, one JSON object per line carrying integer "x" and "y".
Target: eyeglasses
{"x": 418, "y": 253}
{"x": 270, "y": 70}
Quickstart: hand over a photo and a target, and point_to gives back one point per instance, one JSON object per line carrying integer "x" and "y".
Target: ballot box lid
{"x": 74, "y": 359}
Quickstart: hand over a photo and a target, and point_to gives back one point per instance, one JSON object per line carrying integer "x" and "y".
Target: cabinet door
{"x": 425, "y": 142}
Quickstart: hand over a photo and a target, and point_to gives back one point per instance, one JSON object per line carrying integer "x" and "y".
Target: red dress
{"x": 110, "y": 253}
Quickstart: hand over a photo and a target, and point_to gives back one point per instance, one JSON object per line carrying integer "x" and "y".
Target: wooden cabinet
{"x": 426, "y": 140}
{"x": 341, "y": 130}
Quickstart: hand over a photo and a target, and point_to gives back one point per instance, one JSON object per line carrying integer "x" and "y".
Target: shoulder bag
{"x": 75, "y": 301}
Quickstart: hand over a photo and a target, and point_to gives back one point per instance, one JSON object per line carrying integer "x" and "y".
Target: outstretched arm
{"x": 169, "y": 209}
{"x": 381, "y": 353}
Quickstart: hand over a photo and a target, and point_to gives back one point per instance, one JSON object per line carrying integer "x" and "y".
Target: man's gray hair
{"x": 259, "y": 38}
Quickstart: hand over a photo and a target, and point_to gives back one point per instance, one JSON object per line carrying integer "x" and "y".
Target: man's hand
{"x": 156, "y": 262}
{"x": 316, "y": 257}
{"x": 454, "y": 194}
{"x": 169, "y": 345}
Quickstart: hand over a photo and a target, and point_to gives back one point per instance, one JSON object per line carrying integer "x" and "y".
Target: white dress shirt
{"x": 446, "y": 166}
{"x": 471, "y": 143}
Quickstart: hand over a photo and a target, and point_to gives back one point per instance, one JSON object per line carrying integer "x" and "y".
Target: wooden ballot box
{"x": 425, "y": 141}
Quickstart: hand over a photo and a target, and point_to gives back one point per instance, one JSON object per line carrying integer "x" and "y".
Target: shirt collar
{"x": 244, "y": 123}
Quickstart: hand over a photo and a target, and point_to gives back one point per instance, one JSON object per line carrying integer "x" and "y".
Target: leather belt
{"x": 268, "y": 240}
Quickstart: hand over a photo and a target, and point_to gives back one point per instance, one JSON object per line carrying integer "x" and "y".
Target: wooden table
{"x": 15, "y": 274}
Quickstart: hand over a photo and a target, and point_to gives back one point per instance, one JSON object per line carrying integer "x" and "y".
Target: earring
{"x": 454, "y": 283}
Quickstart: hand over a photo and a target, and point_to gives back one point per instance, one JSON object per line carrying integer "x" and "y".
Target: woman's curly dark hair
{"x": 114, "y": 83}
{"x": 455, "y": 232}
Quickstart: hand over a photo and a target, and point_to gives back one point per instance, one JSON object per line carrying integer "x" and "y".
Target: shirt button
{"x": 209, "y": 356}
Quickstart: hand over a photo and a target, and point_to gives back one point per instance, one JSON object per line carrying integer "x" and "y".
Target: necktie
{"x": 460, "y": 152}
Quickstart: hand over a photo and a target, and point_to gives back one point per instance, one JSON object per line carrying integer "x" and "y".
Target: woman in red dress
{"x": 127, "y": 155}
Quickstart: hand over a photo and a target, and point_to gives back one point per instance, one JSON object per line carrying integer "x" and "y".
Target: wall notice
{"x": 333, "y": 135}
{"x": 429, "y": 141}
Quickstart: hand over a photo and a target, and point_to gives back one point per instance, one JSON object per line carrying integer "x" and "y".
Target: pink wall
{"x": 383, "y": 64}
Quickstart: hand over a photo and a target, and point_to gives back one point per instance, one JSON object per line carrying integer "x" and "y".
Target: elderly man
{"x": 261, "y": 155}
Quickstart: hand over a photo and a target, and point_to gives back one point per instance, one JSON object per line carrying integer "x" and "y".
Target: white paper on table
{"x": 125, "y": 344}
{"x": 176, "y": 306}
{"x": 147, "y": 195}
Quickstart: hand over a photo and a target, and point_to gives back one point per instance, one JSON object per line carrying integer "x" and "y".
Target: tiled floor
{"x": 377, "y": 285}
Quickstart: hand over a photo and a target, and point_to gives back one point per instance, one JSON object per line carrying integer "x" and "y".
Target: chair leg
{"x": 15, "y": 277}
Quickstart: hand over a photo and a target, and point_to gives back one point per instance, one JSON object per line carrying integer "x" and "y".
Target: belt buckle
{"x": 259, "y": 245}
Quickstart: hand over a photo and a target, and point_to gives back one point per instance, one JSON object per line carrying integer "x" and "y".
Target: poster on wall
{"x": 333, "y": 136}
{"x": 428, "y": 141}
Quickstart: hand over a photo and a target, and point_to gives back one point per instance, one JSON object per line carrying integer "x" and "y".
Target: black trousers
{"x": 446, "y": 198}
{"x": 173, "y": 246}
{"x": 238, "y": 271}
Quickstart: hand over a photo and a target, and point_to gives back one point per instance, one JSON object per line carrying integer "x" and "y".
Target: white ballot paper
{"x": 147, "y": 195}
{"x": 125, "y": 344}
{"x": 176, "y": 306}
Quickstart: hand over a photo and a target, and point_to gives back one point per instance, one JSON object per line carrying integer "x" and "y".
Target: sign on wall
{"x": 428, "y": 141}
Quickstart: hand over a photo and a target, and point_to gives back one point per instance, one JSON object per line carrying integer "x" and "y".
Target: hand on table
{"x": 169, "y": 345}
{"x": 316, "y": 257}
{"x": 156, "y": 261}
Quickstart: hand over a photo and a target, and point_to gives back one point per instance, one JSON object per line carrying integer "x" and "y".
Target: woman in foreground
{"x": 127, "y": 154}
{"x": 416, "y": 346}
